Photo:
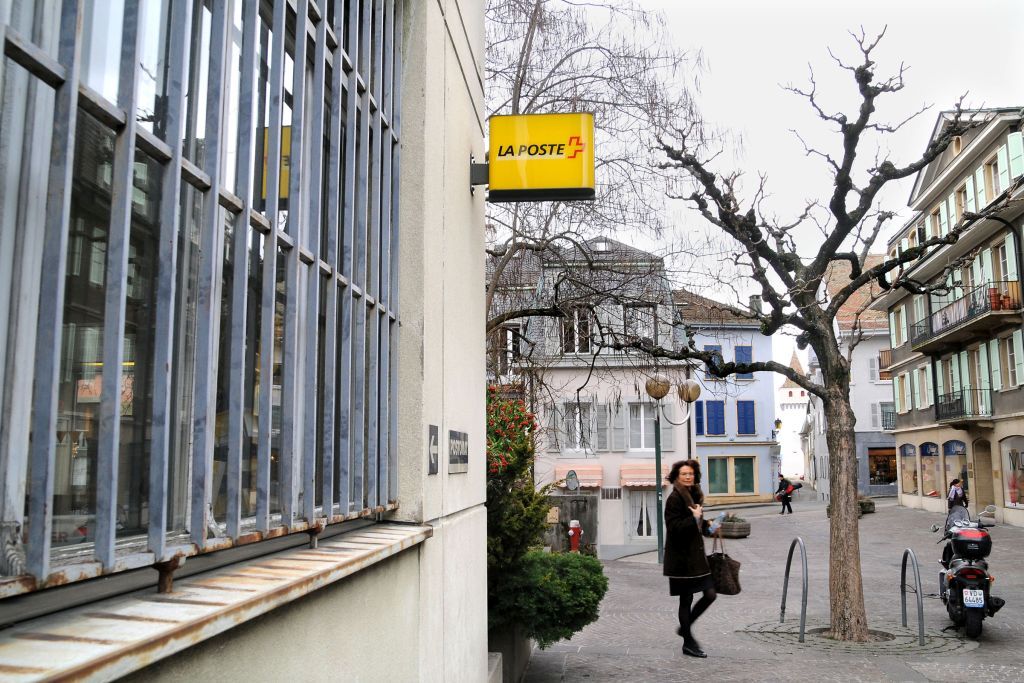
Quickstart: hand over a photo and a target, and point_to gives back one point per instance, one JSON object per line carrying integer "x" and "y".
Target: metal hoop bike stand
{"x": 917, "y": 590}
{"x": 803, "y": 597}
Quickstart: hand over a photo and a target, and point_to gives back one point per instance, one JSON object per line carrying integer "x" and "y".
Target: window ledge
{"x": 111, "y": 638}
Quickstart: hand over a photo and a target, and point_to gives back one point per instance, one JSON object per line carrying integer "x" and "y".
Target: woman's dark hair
{"x": 954, "y": 482}
{"x": 692, "y": 464}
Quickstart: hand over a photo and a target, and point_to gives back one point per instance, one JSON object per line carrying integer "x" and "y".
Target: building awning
{"x": 590, "y": 476}
{"x": 639, "y": 474}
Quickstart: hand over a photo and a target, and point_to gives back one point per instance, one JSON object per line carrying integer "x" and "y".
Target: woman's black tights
{"x": 688, "y": 614}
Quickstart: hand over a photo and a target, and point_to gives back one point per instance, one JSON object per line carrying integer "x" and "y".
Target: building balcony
{"x": 979, "y": 314}
{"x": 964, "y": 408}
{"x": 888, "y": 420}
{"x": 884, "y": 361}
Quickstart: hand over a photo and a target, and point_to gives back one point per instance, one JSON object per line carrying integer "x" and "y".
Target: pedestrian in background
{"x": 956, "y": 495}
{"x": 785, "y": 494}
{"x": 686, "y": 562}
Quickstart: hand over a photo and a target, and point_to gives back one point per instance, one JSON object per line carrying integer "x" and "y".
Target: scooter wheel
{"x": 972, "y": 625}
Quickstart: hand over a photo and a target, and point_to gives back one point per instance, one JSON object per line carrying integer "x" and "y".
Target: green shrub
{"x": 553, "y": 595}
{"x": 730, "y": 517}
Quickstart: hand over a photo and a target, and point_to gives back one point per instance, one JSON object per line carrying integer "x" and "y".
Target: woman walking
{"x": 686, "y": 563}
{"x": 956, "y": 495}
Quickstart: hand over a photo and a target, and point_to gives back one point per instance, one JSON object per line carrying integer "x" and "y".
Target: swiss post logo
{"x": 541, "y": 157}
{"x": 569, "y": 149}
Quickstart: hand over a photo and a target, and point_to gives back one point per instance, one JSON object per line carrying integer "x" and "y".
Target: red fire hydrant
{"x": 575, "y": 534}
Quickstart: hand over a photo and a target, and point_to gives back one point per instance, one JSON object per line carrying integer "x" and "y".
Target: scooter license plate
{"x": 974, "y": 597}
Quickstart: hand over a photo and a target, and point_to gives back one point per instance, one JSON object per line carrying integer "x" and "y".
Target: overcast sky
{"x": 751, "y": 47}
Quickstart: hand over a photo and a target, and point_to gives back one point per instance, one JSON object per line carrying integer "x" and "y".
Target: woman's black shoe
{"x": 693, "y": 651}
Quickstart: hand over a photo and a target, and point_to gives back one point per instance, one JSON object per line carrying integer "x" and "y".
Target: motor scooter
{"x": 964, "y": 581}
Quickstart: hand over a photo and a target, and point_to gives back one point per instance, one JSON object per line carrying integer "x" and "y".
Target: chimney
{"x": 755, "y": 303}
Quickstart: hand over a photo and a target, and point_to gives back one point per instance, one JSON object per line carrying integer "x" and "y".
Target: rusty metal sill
{"x": 108, "y": 639}
{"x": 74, "y": 564}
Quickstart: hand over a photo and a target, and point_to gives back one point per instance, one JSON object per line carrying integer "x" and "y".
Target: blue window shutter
{"x": 698, "y": 413}
{"x": 745, "y": 417}
{"x": 744, "y": 354}
{"x": 716, "y": 417}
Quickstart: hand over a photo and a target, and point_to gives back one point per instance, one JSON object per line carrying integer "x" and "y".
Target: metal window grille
{"x": 611, "y": 493}
{"x": 224, "y": 182}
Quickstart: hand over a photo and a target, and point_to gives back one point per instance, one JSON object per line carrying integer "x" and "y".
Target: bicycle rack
{"x": 917, "y": 591}
{"x": 803, "y": 597}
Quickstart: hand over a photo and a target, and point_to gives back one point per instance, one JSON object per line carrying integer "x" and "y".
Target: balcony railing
{"x": 993, "y": 297}
{"x": 964, "y": 404}
{"x": 888, "y": 420}
{"x": 884, "y": 361}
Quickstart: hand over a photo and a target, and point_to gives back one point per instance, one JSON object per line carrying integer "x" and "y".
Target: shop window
{"x": 954, "y": 453}
{"x": 931, "y": 473}
{"x": 908, "y": 468}
{"x": 732, "y": 475}
{"x": 1013, "y": 465}
{"x": 881, "y": 466}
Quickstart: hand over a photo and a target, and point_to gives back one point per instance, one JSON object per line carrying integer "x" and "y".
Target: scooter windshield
{"x": 959, "y": 512}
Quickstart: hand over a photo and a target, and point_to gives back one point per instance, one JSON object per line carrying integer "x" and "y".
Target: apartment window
{"x": 732, "y": 475}
{"x": 576, "y": 330}
{"x": 717, "y": 350}
{"x": 510, "y": 347}
{"x": 992, "y": 179}
{"x": 577, "y": 426}
{"x": 698, "y": 418}
{"x": 898, "y": 322}
{"x": 744, "y": 354}
{"x": 999, "y": 253}
{"x": 745, "y": 423}
{"x": 641, "y": 426}
{"x": 935, "y": 223}
{"x": 961, "y": 201}
{"x": 715, "y": 418}
{"x": 1008, "y": 360}
{"x": 247, "y": 353}
{"x": 641, "y": 322}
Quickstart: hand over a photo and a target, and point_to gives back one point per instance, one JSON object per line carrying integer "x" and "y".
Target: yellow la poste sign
{"x": 538, "y": 157}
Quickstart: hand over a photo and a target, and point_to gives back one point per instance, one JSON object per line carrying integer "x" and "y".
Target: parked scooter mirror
{"x": 989, "y": 510}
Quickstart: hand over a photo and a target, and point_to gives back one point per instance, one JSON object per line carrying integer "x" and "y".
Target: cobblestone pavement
{"x": 634, "y": 638}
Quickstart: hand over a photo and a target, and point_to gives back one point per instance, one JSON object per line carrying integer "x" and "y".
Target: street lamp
{"x": 657, "y": 388}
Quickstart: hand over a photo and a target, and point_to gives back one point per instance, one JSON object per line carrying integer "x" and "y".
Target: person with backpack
{"x": 785, "y": 494}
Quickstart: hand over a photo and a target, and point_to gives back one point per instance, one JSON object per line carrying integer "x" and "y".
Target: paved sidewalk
{"x": 634, "y": 638}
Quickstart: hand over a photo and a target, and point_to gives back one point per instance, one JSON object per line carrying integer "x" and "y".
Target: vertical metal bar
{"x": 658, "y": 488}
{"x": 393, "y": 252}
{"x": 382, "y": 436}
{"x": 267, "y": 302}
{"x": 115, "y": 305}
{"x": 333, "y": 213}
{"x": 207, "y": 302}
{"x": 51, "y": 295}
{"x": 312, "y": 359}
{"x": 244, "y": 172}
{"x": 359, "y": 279}
{"x": 290, "y": 394}
{"x": 164, "y": 334}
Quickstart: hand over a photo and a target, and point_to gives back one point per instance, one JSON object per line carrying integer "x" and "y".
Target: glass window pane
{"x": 743, "y": 469}
{"x": 102, "y": 23}
{"x": 718, "y": 475}
{"x": 81, "y": 373}
{"x": 635, "y": 440}
{"x": 908, "y": 468}
{"x": 154, "y": 60}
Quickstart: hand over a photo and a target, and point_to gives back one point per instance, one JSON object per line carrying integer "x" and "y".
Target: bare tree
{"x": 611, "y": 59}
{"x": 789, "y": 281}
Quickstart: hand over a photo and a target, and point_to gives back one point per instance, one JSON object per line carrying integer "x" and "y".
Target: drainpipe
{"x": 689, "y": 422}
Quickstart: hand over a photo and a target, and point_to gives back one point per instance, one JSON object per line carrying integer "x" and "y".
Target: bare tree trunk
{"x": 846, "y": 591}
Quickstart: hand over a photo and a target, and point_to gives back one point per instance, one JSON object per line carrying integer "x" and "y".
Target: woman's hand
{"x": 697, "y": 510}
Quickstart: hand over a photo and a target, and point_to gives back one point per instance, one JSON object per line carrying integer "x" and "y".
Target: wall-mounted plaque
{"x": 458, "y": 452}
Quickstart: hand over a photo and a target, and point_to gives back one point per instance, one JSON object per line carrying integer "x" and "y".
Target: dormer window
{"x": 601, "y": 246}
{"x": 957, "y": 145}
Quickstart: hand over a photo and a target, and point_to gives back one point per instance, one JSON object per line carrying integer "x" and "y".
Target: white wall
{"x": 864, "y": 391}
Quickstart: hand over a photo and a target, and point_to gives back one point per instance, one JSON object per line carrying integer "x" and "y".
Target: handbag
{"x": 725, "y": 571}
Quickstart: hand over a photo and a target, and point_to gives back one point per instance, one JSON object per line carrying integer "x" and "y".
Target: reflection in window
{"x": 955, "y": 455}
{"x": 931, "y": 472}
{"x": 102, "y": 23}
{"x": 908, "y": 468}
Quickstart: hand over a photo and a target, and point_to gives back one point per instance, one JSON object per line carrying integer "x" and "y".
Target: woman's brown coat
{"x": 685, "y": 556}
